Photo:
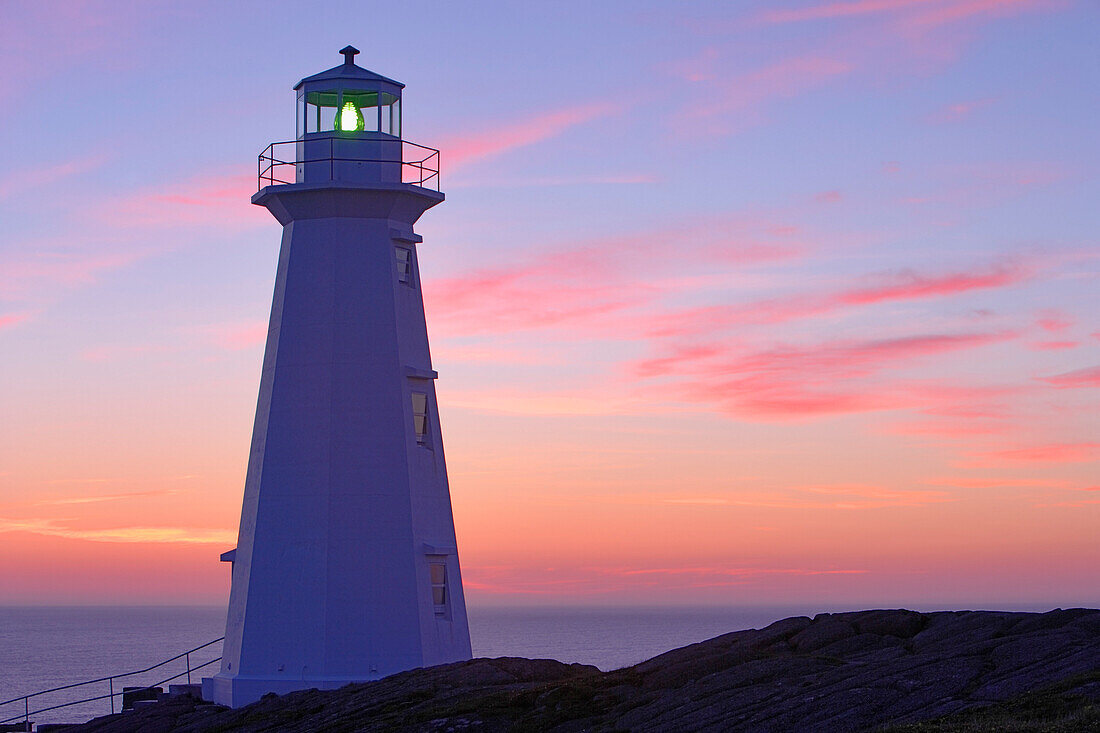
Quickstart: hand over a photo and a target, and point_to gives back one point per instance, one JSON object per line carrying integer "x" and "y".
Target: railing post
{"x": 112, "y": 683}
{"x": 27, "y": 711}
{"x": 188, "y": 667}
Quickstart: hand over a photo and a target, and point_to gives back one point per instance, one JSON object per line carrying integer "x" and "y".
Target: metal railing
{"x": 279, "y": 161}
{"x": 26, "y": 714}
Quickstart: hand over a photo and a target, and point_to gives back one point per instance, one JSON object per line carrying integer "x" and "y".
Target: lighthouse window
{"x": 390, "y": 114}
{"x": 320, "y": 110}
{"x": 438, "y": 575}
{"x": 404, "y": 265}
{"x": 300, "y": 117}
{"x": 420, "y": 416}
{"x": 344, "y": 110}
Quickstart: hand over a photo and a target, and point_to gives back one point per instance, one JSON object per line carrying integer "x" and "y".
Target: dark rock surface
{"x": 837, "y": 672}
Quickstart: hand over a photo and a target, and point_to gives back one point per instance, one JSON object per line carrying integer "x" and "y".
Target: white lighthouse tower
{"x": 346, "y": 568}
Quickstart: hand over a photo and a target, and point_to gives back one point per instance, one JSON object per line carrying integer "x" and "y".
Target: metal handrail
{"x": 426, "y": 166}
{"x": 27, "y": 712}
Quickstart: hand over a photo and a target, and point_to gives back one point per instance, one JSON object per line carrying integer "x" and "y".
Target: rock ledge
{"x": 865, "y": 670}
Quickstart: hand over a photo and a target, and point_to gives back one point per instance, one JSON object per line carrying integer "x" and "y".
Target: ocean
{"x": 47, "y": 647}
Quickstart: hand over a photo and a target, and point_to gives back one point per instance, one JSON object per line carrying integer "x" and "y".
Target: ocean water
{"x": 47, "y": 647}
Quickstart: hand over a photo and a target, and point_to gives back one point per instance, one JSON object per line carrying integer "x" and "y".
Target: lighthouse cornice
{"x": 404, "y": 202}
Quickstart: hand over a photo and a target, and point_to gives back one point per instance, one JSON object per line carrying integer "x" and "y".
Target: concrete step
{"x": 13, "y": 727}
{"x": 132, "y": 695}
{"x": 194, "y": 690}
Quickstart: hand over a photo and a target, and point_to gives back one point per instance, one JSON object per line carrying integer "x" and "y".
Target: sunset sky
{"x": 789, "y": 302}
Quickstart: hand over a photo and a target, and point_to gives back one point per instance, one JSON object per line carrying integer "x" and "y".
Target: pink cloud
{"x": 949, "y": 428}
{"x": 673, "y": 361}
{"x": 835, "y": 10}
{"x": 74, "y": 32}
{"x": 1052, "y": 452}
{"x": 911, "y": 36}
{"x": 111, "y": 353}
{"x": 883, "y": 287}
{"x": 232, "y": 335}
{"x": 10, "y": 320}
{"x": 623, "y": 179}
{"x": 741, "y": 572}
{"x": 593, "y": 286}
{"x": 867, "y": 495}
{"x": 38, "y": 267}
{"x": 524, "y": 297}
{"x": 141, "y": 535}
{"x": 238, "y": 336}
{"x": 909, "y": 285}
{"x": 829, "y": 197}
{"x": 753, "y": 89}
{"x": 25, "y": 180}
{"x": 1054, "y": 345}
{"x": 980, "y": 184}
{"x": 958, "y": 111}
{"x": 35, "y": 270}
{"x": 858, "y": 358}
{"x": 96, "y": 499}
{"x": 610, "y": 580}
{"x": 967, "y": 482}
{"x": 1087, "y": 377}
{"x": 205, "y": 200}
{"x": 1035, "y": 174}
{"x": 966, "y": 401}
{"x": 1054, "y": 321}
{"x": 545, "y": 402}
{"x": 447, "y": 351}
{"x": 934, "y": 14}
{"x": 462, "y": 150}
{"x": 958, "y": 411}
{"x": 701, "y": 67}
{"x": 1070, "y": 504}
{"x": 797, "y": 382}
{"x": 926, "y": 12}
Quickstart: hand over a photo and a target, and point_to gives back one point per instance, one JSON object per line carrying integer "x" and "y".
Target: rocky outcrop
{"x": 836, "y": 672}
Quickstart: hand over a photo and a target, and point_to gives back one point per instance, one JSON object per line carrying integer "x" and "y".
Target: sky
{"x": 740, "y": 303}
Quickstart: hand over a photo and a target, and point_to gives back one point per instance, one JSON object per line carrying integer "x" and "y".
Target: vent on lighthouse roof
{"x": 348, "y": 70}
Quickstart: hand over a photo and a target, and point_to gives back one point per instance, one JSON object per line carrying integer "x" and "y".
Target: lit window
{"x": 438, "y": 574}
{"x": 420, "y": 416}
{"x": 404, "y": 265}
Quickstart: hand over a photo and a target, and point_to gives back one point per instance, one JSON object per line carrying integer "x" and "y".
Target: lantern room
{"x": 348, "y": 100}
{"x": 348, "y": 131}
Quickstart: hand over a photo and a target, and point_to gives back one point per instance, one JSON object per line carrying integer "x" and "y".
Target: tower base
{"x": 236, "y": 692}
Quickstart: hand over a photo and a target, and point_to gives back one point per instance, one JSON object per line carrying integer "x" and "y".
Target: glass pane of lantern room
{"x": 320, "y": 111}
{"x": 391, "y": 125}
{"x": 367, "y": 105}
{"x": 300, "y": 116}
{"x": 326, "y": 118}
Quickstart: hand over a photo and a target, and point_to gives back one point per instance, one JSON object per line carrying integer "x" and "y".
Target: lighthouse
{"x": 346, "y": 568}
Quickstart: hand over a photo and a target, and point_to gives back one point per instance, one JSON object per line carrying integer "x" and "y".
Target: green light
{"x": 350, "y": 118}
